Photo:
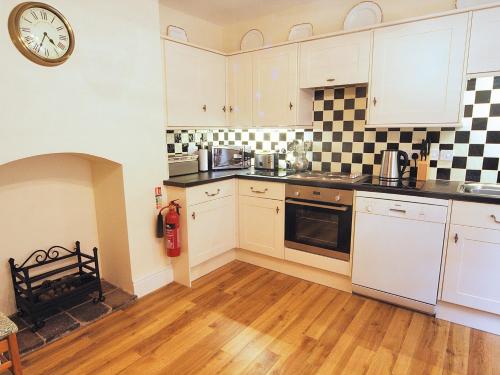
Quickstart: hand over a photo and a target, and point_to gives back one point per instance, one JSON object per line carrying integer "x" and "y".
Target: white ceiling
{"x": 223, "y": 12}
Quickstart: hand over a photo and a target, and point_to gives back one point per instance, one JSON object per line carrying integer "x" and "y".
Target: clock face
{"x": 41, "y": 33}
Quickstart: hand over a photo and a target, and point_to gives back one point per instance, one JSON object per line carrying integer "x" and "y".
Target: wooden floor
{"x": 243, "y": 319}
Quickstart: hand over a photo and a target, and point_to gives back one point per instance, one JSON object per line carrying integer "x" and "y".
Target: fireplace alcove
{"x": 54, "y": 199}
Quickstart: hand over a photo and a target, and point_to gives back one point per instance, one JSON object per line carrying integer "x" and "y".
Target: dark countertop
{"x": 439, "y": 189}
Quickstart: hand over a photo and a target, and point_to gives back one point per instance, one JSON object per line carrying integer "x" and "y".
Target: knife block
{"x": 423, "y": 167}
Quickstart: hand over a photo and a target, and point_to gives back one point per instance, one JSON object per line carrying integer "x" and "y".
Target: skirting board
{"x": 468, "y": 317}
{"x": 314, "y": 275}
{"x": 153, "y": 282}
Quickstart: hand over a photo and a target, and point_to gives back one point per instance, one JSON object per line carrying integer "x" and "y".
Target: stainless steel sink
{"x": 480, "y": 189}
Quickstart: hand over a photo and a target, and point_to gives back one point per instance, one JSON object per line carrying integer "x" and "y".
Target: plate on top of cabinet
{"x": 364, "y": 14}
{"x": 300, "y": 31}
{"x": 177, "y": 32}
{"x": 253, "y": 39}
{"x": 460, "y": 4}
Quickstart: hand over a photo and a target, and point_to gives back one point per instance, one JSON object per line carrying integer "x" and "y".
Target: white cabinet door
{"x": 339, "y": 60}
{"x": 213, "y": 86}
{"x": 211, "y": 229}
{"x": 472, "y": 270}
{"x": 275, "y": 86}
{"x": 195, "y": 86}
{"x": 183, "y": 85}
{"x": 484, "y": 51}
{"x": 262, "y": 226}
{"x": 417, "y": 72}
{"x": 239, "y": 81}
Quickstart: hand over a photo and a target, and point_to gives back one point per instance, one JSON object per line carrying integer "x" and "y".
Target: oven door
{"x": 318, "y": 228}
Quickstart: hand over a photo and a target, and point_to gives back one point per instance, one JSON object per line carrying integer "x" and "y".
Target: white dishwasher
{"x": 398, "y": 244}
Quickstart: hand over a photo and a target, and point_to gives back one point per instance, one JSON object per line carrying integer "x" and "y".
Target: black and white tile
{"x": 341, "y": 142}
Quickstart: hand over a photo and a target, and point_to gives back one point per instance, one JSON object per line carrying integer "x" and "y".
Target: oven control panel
{"x": 318, "y": 194}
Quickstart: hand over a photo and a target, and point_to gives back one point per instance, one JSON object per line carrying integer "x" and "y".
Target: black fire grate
{"x": 40, "y": 289}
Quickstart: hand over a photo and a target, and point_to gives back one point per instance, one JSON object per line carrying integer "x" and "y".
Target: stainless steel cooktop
{"x": 329, "y": 176}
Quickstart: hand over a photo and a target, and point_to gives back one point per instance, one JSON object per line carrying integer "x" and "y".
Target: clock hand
{"x": 44, "y": 36}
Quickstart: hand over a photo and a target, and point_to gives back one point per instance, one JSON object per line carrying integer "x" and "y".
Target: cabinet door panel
{"x": 339, "y": 60}
{"x": 211, "y": 229}
{"x": 472, "y": 276}
{"x": 261, "y": 224}
{"x": 213, "y": 68}
{"x": 275, "y": 86}
{"x": 484, "y": 52}
{"x": 417, "y": 72}
{"x": 240, "y": 90}
{"x": 183, "y": 85}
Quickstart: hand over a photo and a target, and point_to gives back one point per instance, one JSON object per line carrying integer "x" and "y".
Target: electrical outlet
{"x": 446, "y": 155}
{"x": 434, "y": 153}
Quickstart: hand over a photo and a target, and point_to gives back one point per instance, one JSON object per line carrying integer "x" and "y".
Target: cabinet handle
{"x": 456, "y": 237}
{"x": 193, "y": 215}
{"x": 230, "y": 109}
{"x": 204, "y": 107}
{"x": 258, "y": 191}
{"x": 397, "y": 210}
{"x": 224, "y": 108}
{"x": 213, "y": 194}
{"x": 330, "y": 80}
{"x": 290, "y": 106}
{"x": 277, "y": 210}
{"x": 374, "y": 101}
{"x": 495, "y": 219}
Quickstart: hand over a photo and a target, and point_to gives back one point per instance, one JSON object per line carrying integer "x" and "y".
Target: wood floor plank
{"x": 243, "y": 319}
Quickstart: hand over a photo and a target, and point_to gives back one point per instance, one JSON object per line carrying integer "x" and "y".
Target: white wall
{"x": 199, "y": 31}
{"x": 326, "y": 16}
{"x": 45, "y": 201}
{"x": 107, "y": 100}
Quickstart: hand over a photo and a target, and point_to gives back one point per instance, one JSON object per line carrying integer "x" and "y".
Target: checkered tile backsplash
{"x": 341, "y": 143}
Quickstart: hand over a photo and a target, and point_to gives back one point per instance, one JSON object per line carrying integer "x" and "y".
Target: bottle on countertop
{"x": 203, "y": 158}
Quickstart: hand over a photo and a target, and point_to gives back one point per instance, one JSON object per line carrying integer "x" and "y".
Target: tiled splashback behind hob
{"x": 341, "y": 143}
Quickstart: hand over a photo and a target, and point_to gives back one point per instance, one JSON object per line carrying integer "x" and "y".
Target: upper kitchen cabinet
{"x": 239, "y": 82}
{"x": 339, "y": 60}
{"x": 484, "y": 51}
{"x": 195, "y": 86}
{"x": 418, "y": 73}
{"x": 277, "y": 99}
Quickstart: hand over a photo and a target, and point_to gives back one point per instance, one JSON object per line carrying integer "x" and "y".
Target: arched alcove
{"x": 56, "y": 199}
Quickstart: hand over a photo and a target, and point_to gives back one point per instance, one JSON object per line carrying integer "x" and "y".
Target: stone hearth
{"x": 71, "y": 318}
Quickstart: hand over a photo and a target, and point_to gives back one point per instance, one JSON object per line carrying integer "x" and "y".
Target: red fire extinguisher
{"x": 171, "y": 230}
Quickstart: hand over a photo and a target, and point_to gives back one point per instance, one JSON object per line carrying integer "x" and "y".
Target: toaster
{"x": 266, "y": 160}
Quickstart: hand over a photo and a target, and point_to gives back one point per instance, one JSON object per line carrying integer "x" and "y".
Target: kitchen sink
{"x": 480, "y": 189}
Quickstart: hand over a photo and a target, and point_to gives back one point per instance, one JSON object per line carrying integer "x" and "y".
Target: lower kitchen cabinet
{"x": 211, "y": 229}
{"x": 262, "y": 225}
{"x": 472, "y": 276}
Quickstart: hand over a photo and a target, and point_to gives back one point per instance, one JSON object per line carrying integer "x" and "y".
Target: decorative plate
{"x": 301, "y": 31}
{"x": 177, "y": 32}
{"x": 364, "y": 14}
{"x": 253, "y": 39}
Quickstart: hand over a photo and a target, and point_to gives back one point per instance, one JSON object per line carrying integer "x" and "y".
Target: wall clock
{"x": 41, "y": 33}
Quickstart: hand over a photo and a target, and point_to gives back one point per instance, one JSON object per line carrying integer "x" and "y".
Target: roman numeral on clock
{"x": 34, "y": 15}
{"x": 61, "y": 46}
{"x": 47, "y": 52}
{"x": 63, "y": 37}
{"x": 43, "y": 14}
{"x": 60, "y": 28}
{"x": 25, "y": 29}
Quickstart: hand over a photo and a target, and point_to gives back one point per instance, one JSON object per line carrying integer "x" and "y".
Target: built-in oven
{"x": 319, "y": 220}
